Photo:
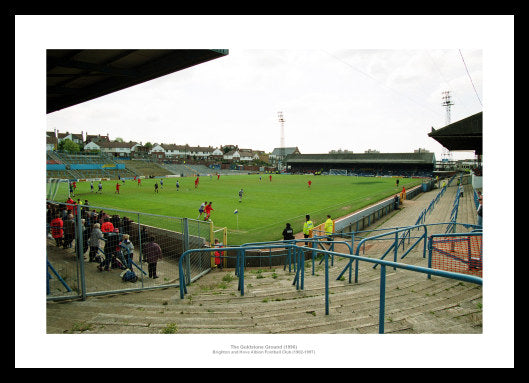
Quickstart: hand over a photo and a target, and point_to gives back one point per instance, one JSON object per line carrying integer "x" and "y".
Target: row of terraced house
{"x": 164, "y": 152}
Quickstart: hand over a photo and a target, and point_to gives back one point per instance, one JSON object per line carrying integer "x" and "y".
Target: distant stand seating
{"x": 79, "y": 166}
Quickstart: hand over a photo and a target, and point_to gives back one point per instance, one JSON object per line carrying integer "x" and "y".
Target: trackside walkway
{"x": 411, "y": 209}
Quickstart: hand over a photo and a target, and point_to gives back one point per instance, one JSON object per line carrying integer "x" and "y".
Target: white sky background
{"x": 342, "y": 82}
{"x": 348, "y": 99}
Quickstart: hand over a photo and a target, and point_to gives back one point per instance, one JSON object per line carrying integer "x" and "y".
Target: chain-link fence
{"x": 97, "y": 250}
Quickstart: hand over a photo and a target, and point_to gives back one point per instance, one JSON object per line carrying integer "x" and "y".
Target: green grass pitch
{"x": 266, "y": 205}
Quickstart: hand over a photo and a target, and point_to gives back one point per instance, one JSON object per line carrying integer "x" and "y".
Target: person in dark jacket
{"x": 152, "y": 253}
{"x": 288, "y": 232}
{"x": 85, "y": 232}
{"x": 96, "y": 236}
{"x": 69, "y": 232}
{"x": 110, "y": 250}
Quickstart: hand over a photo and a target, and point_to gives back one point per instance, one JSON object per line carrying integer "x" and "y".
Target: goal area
{"x": 338, "y": 172}
{"x": 52, "y": 185}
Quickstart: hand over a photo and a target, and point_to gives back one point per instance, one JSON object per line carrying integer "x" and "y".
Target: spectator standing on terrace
{"x": 101, "y": 216}
{"x": 107, "y": 226}
{"x": 95, "y": 237}
{"x": 85, "y": 233}
{"x": 152, "y": 254}
{"x": 64, "y": 212}
{"x": 111, "y": 247}
{"x": 403, "y": 194}
{"x": 116, "y": 221}
{"x": 69, "y": 232}
{"x": 128, "y": 249}
{"x": 125, "y": 223}
{"x": 70, "y": 207}
{"x": 87, "y": 230}
{"x": 396, "y": 202}
{"x": 57, "y": 231}
{"x": 288, "y": 233}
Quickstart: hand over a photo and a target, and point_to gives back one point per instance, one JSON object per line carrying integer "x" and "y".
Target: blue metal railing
{"x": 401, "y": 240}
{"x": 455, "y": 209}
{"x": 299, "y": 251}
{"x": 315, "y": 240}
{"x": 394, "y": 246}
{"x": 476, "y": 199}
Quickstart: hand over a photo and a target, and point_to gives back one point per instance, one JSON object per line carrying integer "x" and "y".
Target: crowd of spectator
{"x": 67, "y": 211}
{"x": 99, "y": 228}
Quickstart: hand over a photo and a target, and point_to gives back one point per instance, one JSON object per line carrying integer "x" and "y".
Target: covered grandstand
{"x": 419, "y": 164}
{"x": 465, "y": 134}
{"x": 74, "y": 76}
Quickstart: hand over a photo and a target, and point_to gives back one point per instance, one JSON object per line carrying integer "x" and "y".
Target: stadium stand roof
{"x": 364, "y": 158}
{"x": 74, "y": 76}
{"x": 285, "y": 151}
{"x": 465, "y": 134}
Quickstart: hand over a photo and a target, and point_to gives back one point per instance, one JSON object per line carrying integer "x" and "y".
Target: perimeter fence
{"x": 80, "y": 264}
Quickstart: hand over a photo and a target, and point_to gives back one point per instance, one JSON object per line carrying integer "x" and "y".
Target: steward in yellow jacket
{"x": 329, "y": 229}
{"x": 308, "y": 226}
{"x": 329, "y": 226}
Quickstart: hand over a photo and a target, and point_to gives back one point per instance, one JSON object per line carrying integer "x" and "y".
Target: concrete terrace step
{"x": 277, "y": 308}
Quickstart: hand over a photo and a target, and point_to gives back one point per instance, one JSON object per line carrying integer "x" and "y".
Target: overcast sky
{"x": 342, "y": 82}
{"x": 351, "y": 99}
{"x": 338, "y": 91}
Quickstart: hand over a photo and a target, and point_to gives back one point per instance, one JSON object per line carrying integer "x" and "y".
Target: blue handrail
{"x": 298, "y": 281}
{"x": 312, "y": 241}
